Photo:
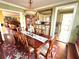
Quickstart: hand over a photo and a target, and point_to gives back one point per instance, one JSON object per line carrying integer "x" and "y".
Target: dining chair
{"x": 24, "y": 44}
{"x": 49, "y": 50}
{"x": 17, "y": 39}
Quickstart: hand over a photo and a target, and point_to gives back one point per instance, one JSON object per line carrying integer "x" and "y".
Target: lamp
{"x": 30, "y": 11}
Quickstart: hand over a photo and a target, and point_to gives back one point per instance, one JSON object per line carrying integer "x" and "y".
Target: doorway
{"x": 65, "y": 26}
{"x": 64, "y": 21}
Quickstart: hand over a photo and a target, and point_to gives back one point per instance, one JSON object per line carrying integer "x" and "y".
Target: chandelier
{"x": 30, "y": 11}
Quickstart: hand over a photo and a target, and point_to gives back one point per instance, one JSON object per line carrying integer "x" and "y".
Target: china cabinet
{"x": 41, "y": 22}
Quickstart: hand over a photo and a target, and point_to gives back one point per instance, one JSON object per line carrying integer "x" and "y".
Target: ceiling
{"x": 37, "y": 4}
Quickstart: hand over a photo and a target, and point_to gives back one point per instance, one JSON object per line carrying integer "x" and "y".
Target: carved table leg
{"x": 37, "y": 53}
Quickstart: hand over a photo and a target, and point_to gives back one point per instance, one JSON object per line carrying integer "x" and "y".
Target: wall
{"x": 73, "y": 36}
{"x": 23, "y": 21}
{"x": 2, "y": 21}
{"x": 1, "y": 17}
{"x": 52, "y": 23}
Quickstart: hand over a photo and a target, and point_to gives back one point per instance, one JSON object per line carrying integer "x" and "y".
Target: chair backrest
{"x": 52, "y": 47}
{"x": 22, "y": 38}
{"x": 17, "y": 36}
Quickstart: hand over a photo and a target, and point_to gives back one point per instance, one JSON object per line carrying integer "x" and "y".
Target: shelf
{"x": 40, "y": 25}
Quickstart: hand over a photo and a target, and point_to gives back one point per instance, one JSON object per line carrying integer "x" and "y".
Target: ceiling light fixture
{"x": 30, "y": 11}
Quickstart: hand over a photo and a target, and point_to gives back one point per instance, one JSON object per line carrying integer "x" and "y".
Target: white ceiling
{"x": 37, "y": 3}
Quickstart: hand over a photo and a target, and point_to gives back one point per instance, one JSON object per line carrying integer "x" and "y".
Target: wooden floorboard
{"x": 71, "y": 51}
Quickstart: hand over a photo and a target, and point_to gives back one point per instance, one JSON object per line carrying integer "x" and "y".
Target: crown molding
{"x": 4, "y": 2}
{"x": 54, "y": 5}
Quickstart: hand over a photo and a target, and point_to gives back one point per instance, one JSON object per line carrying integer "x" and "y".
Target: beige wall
{"x": 1, "y": 17}
{"x": 2, "y": 21}
{"x": 52, "y": 22}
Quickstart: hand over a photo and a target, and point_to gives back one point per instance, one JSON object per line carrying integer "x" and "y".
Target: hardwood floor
{"x": 61, "y": 51}
{"x": 71, "y": 51}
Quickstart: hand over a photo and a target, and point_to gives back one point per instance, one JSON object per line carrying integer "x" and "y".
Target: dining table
{"x": 36, "y": 41}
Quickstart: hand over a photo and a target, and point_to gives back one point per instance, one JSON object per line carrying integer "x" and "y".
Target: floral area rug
{"x": 11, "y": 52}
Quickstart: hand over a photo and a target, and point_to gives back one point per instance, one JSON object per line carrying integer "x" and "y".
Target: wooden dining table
{"x": 36, "y": 41}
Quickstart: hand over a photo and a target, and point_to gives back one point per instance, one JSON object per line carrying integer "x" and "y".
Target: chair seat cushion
{"x": 41, "y": 57}
{"x": 31, "y": 49}
{"x": 44, "y": 49}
